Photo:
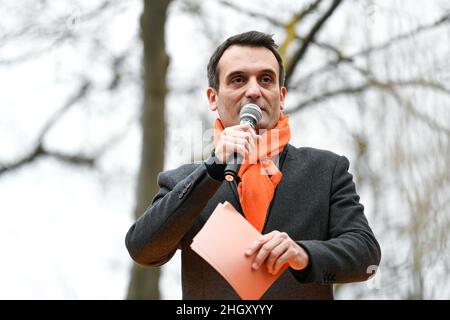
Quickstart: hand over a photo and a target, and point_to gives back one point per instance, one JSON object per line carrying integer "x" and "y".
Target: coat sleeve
{"x": 351, "y": 253}
{"x": 154, "y": 238}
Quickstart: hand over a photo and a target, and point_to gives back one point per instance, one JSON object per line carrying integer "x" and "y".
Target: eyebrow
{"x": 239, "y": 72}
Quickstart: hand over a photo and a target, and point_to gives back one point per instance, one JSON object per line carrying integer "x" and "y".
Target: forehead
{"x": 246, "y": 59}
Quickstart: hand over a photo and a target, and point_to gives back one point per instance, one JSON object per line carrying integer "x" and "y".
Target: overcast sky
{"x": 62, "y": 227}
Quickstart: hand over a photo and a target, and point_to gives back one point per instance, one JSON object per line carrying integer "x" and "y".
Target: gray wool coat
{"x": 315, "y": 203}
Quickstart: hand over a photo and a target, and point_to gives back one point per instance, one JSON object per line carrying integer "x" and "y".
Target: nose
{"x": 253, "y": 91}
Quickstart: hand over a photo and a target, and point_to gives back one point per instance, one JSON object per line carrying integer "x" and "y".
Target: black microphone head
{"x": 251, "y": 114}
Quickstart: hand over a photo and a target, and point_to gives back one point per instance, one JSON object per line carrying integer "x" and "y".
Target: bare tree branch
{"x": 307, "y": 10}
{"x": 350, "y": 58}
{"x": 56, "y": 33}
{"x": 388, "y": 86}
{"x": 443, "y": 20}
{"x": 290, "y": 28}
{"x": 409, "y": 82}
{"x": 76, "y": 159}
{"x": 39, "y": 150}
{"x": 80, "y": 94}
{"x": 61, "y": 37}
{"x": 339, "y": 54}
{"x": 329, "y": 94}
{"x": 251, "y": 13}
{"x": 293, "y": 62}
{"x": 196, "y": 9}
{"x": 421, "y": 116}
{"x": 295, "y": 19}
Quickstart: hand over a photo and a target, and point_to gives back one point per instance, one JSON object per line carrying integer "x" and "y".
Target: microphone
{"x": 251, "y": 114}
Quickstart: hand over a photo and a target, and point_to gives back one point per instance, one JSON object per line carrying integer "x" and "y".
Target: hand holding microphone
{"x": 237, "y": 142}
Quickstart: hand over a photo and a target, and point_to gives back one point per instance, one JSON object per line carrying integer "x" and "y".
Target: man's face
{"x": 247, "y": 75}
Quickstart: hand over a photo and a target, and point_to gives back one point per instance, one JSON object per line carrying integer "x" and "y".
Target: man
{"x": 303, "y": 200}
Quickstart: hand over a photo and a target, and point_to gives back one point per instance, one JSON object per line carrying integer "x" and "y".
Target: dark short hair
{"x": 251, "y": 39}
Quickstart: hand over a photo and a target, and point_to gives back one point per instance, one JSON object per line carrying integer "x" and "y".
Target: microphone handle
{"x": 235, "y": 160}
{"x": 232, "y": 167}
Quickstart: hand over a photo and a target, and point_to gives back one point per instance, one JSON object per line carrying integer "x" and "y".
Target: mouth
{"x": 263, "y": 108}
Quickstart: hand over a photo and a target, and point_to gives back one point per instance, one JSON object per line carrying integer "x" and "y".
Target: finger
{"x": 265, "y": 251}
{"x": 254, "y": 137}
{"x": 275, "y": 255}
{"x": 250, "y": 130}
{"x": 254, "y": 247}
{"x": 285, "y": 258}
{"x": 244, "y": 135}
{"x": 243, "y": 128}
{"x": 229, "y": 148}
{"x": 223, "y": 149}
{"x": 240, "y": 127}
{"x": 243, "y": 138}
{"x": 238, "y": 141}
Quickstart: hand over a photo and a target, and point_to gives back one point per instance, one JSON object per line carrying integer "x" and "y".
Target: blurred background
{"x": 97, "y": 97}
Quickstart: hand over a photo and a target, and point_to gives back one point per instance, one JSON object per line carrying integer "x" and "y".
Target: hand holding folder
{"x": 222, "y": 242}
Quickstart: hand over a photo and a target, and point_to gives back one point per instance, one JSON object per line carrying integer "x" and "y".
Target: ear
{"x": 211, "y": 93}
{"x": 283, "y": 91}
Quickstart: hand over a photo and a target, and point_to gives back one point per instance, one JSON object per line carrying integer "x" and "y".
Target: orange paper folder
{"x": 222, "y": 242}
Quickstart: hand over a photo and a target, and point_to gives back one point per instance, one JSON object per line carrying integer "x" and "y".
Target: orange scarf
{"x": 258, "y": 173}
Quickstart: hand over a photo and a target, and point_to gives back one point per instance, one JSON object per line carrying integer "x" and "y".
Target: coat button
{"x": 186, "y": 187}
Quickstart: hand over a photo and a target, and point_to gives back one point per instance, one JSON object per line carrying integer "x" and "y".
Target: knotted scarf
{"x": 258, "y": 173}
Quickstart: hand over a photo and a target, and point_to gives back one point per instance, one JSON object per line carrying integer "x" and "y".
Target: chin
{"x": 261, "y": 126}
{"x": 268, "y": 123}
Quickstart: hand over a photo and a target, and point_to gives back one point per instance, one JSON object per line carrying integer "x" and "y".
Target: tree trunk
{"x": 144, "y": 281}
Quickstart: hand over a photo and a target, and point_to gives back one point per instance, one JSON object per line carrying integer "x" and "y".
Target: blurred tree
{"x": 155, "y": 61}
{"x": 395, "y": 89}
{"x": 384, "y": 84}
{"x": 144, "y": 281}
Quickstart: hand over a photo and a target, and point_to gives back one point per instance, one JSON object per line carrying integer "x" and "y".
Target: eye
{"x": 266, "y": 79}
{"x": 237, "y": 80}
